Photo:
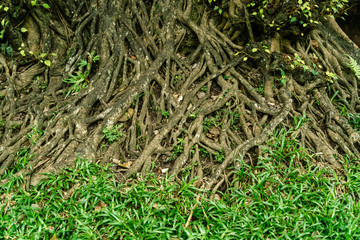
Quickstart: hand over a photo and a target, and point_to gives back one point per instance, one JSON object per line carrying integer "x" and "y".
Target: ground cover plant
{"x": 285, "y": 196}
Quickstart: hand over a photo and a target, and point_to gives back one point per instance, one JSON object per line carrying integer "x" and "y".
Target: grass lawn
{"x": 277, "y": 199}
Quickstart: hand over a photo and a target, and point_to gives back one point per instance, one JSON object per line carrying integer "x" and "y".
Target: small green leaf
{"x": 22, "y": 52}
{"x": 46, "y": 6}
{"x": 282, "y": 72}
{"x": 245, "y": 58}
{"x": 48, "y": 63}
{"x": 33, "y": 3}
{"x": 23, "y": 29}
{"x": 293, "y": 19}
{"x": 6, "y": 9}
{"x": 43, "y": 55}
{"x": 267, "y": 50}
{"x": 254, "y": 50}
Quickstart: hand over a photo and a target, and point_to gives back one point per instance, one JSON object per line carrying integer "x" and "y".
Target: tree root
{"x": 182, "y": 90}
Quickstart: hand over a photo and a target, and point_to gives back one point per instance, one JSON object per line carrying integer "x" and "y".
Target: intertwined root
{"x": 189, "y": 97}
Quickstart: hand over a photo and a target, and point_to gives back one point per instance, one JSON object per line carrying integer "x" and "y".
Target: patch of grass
{"x": 354, "y": 120}
{"x": 35, "y": 134}
{"x": 80, "y": 80}
{"x": 178, "y": 148}
{"x": 234, "y": 119}
{"x": 272, "y": 202}
{"x": 283, "y": 147}
{"x": 203, "y": 152}
{"x": 280, "y": 203}
{"x": 22, "y": 158}
{"x": 220, "y": 156}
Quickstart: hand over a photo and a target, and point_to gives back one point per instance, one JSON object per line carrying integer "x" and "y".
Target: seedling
{"x": 165, "y": 113}
{"x": 35, "y": 134}
{"x": 220, "y": 156}
{"x": 80, "y": 80}
{"x": 113, "y": 134}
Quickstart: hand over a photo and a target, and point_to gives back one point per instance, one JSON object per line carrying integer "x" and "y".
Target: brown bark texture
{"x": 171, "y": 86}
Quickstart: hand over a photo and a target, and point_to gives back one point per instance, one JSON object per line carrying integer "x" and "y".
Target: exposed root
{"x": 182, "y": 90}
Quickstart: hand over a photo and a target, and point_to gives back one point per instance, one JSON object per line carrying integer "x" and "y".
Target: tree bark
{"x": 178, "y": 77}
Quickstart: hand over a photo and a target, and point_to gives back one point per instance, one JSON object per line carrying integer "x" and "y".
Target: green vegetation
{"x": 3, "y": 21}
{"x": 35, "y": 134}
{"x": 272, "y": 202}
{"x": 211, "y": 121}
{"x": 354, "y": 120}
{"x": 6, "y": 50}
{"x": 283, "y": 148}
{"x": 220, "y": 156}
{"x": 354, "y": 67}
{"x": 22, "y": 158}
{"x": 44, "y": 5}
{"x": 203, "y": 152}
{"x": 304, "y": 14}
{"x": 260, "y": 89}
{"x": 166, "y": 114}
{"x": 41, "y": 57}
{"x": 80, "y": 80}
{"x": 212, "y": 67}
{"x": 178, "y": 148}
{"x": 113, "y": 134}
{"x": 216, "y": 7}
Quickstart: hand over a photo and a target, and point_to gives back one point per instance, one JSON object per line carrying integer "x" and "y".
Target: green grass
{"x": 276, "y": 200}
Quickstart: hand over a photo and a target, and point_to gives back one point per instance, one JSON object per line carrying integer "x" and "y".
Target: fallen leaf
{"x": 36, "y": 207}
{"x": 123, "y": 165}
{"x": 217, "y": 197}
{"x": 100, "y": 206}
{"x": 54, "y": 237}
{"x": 201, "y": 94}
{"x": 127, "y": 116}
{"x": 213, "y": 133}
